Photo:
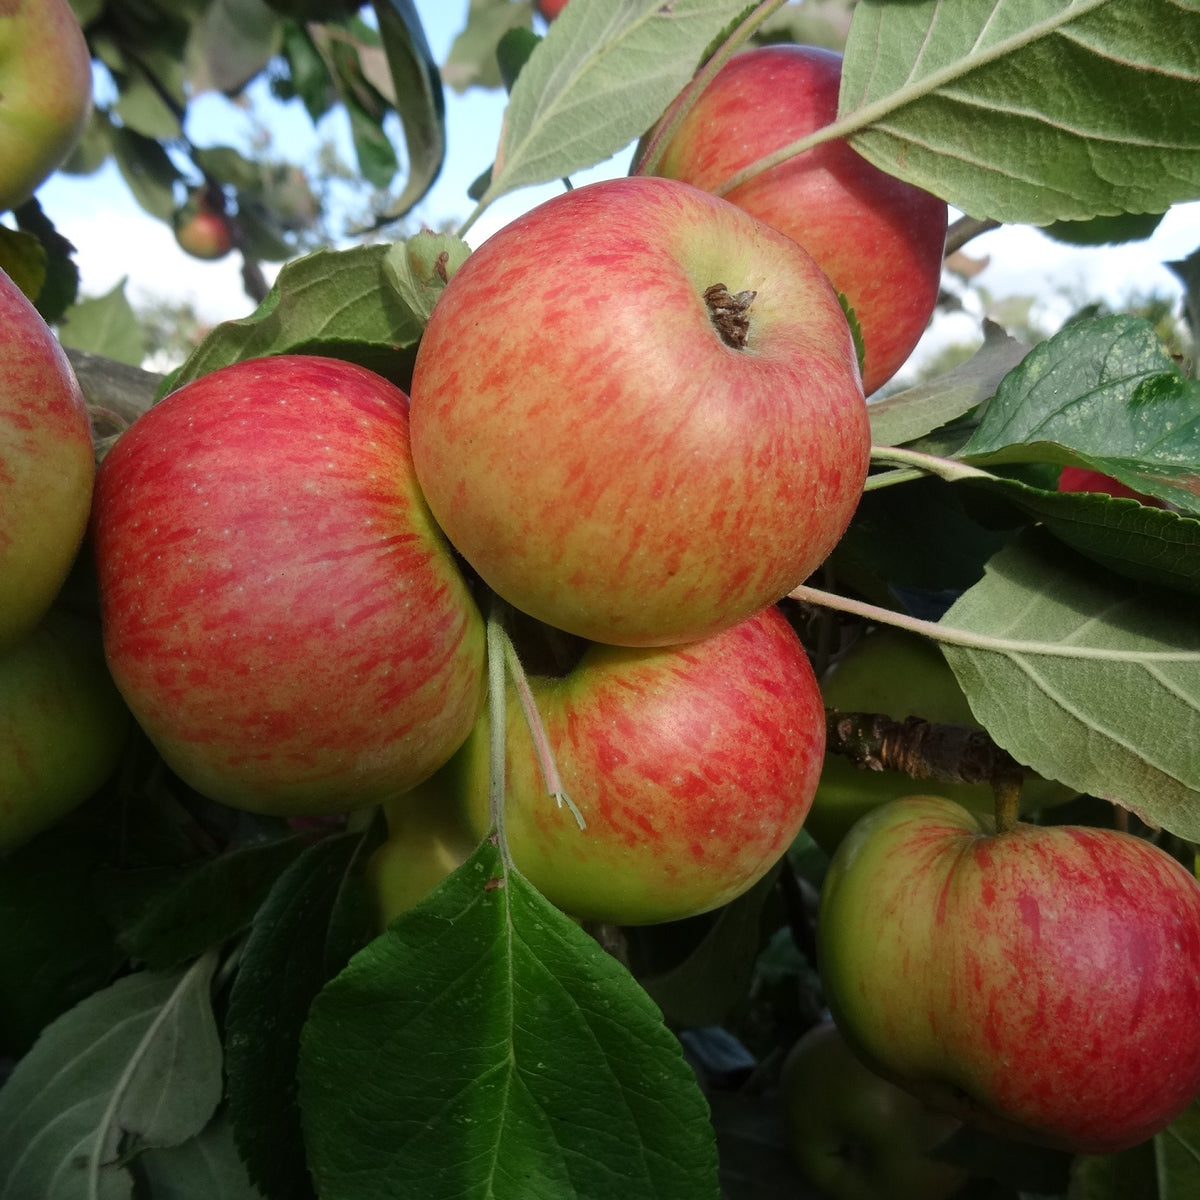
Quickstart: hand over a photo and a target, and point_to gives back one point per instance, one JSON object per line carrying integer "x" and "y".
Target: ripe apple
{"x": 1083, "y": 479}
{"x": 428, "y": 838}
{"x": 1042, "y": 982}
{"x": 636, "y": 412}
{"x": 203, "y": 230}
{"x": 901, "y": 675}
{"x": 63, "y": 724}
{"x": 693, "y": 768}
{"x": 879, "y": 240}
{"x": 854, "y": 1135}
{"x": 280, "y": 611}
{"x": 47, "y": 464}
{"x": 550, "y": 9}
{"x": 45, "y": 93}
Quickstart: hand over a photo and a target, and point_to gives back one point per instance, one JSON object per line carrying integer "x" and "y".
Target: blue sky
{"x": 115, "y": 239}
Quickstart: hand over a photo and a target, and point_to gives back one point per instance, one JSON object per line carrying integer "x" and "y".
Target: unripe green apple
{"x": 45, "y": 93}
{"x": 428, "y": 838}
{"x": 880, "y": 240}
{"x": 1042, "y": 983}
{"x": 691, "y": 766}
{"x": 900, "y": 675}
{"x": 63, "y": 724}
{"x": 280, "y": 611}
{"x": 662, "y": 434}
{"x": 47, "y": 465}
{"x": 853, "y": 1134}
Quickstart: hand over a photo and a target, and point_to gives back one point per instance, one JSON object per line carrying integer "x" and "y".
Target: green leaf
{"x": 23, "y": 260}
{"x": 316, "y": 916}
{"x": 484, "y": 1046}
{"x": 417, "y": 97}
{"x": 165, "y": 916}
{"x": 599, "y": 79}
{"x": 1131, "y": 538}
{"x": 1129, "y": 1175}
{"x": 420, "y": 267}
{"x": 1178, "y": 1151}
{"x": 1086, "y": 678}
{"x": 308, "y": 74}
{"x": 205, "y": 1168}
{"x": 148, "y": 171}
{"x": 1103, "y": 393}
{"x": 1032, "y": 111}
{"x": 106, "y": 325}
{"x": 142, "y": 108}
{"x": 138, "y": 1064}
{"x": 905, "y": 416}
{"x": 60, "y": 286}
{"x": 231, "y": 43}
{"x": 472, "y": 60}
{"x": 332, "y": 302}
{"x": 1106, "y": 231}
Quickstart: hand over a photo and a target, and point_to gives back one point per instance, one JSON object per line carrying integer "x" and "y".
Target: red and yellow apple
{"x": 549, "y": 9}
{"x": 1084, "y": 479}
{"x": 692, "y": 767}
{"x": 45, "y": 93}
{"x": 202, "y": 230}
{"x": 280, "y": 612}
{"x": 47, "y": 465}
{"x": 854, "y": 1135}
{"x": 1042, "y": 982}
{"x": 636, "y": 412}
{"x": 880, "y": 240}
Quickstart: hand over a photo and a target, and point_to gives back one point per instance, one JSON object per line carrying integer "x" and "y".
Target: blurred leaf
{"x": 141, "y": 106}
{"x": 315, "y": 918}
{"x": 138, "y": 1064}
{"x": 1102, "y": 393}
{"x": 420, "y": 267}
{"x": 308, "y": 74}
{"x": 417, "y": 96}
{"x": 106, "y": 325}
{"x": 485, "y": 1046}
{"x": 23, "y": 260}
{"x": 205, "y": 1168}
{"x": 231, "y": 43}
{"x": 1187, "y": 271}
{"x": 472, "y": 60}
{"x": 1030, "y": 113}
{"x": 1105, "y": 231}
{"x": 756, "y": 1163}
{"x": 148, "y": 171}
{"x": 1178, "y": 1149}
{"x": 93, "y": 147}
{"x": 599, "y": 79}
{"x": 228, "y": 165}
{"x": 1130, "y": 1175}
{"x": 165, "y": 916}
{"x": 910, "y": 414}
{"x": 1086, "y": 678}
{"x": 328, "y": 302}
{"x": 61, "y": 283}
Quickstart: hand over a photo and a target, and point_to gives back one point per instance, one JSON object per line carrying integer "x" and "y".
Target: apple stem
{"x": 497, "y": 733}
{"x": 729, "y": 313}
{"x": 1006, "y": 789}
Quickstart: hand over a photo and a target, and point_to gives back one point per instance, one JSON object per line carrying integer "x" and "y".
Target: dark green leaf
{"x": 61, "y": 284}
{"x": 1103, "y": 393}
{"x": 148, "y": 171}
{"x": 205, "y": 1168}
{"x": 1032, "y": 113}
{"x": 484, "y": 1046}
{"x": 417, "y": 97}
{"x": 308, "y": 74}
{"x": 314, "y": 919}
{"x": 138, "y": 1064}
{"x": 1130, "y": 1175}
{"x": 165, "y": 916}
{"x": 23, "y": 260}
{"x": 472, "y": 60}
{"x": 1178, "y": 1150}
{"x": 512, "y": 53}
{"x": 1106, "y": 231}
{"x": 331, "y": 302}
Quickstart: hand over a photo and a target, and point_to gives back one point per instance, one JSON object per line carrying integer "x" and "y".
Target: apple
{"x": 202, "y": 230}
{"x": 900, "y": 675}
{"x": 45, "y": 93}
{"x": 280, "y": 612}
{"x": 636, "y": 412}
{"x": 854, "y": 1135}
{"x": 549, "y": 9}
{"x": 1042, "y": 982}
{"x": 428, "y": 838}
{"x": 63, "y": 725}
{"x": 692, "y": 767}
{"x": 879, "y": 239}
{"x": 47, "y": 464}
{"x": 1083, "y": 479}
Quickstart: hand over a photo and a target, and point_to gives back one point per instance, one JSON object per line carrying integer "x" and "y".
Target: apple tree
{"x": 443, "y": 687}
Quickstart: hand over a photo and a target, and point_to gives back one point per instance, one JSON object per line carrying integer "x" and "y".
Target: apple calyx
{"x": 729, "y": 313}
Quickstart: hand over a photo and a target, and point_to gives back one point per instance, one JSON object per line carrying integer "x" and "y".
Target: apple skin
{"x": 1042, "y": 983}
{"x": 853, "y": 1134}
{"x": 600, "y": 456}
{"x": 428, "y": 838}
{"x": 1083, "y": 479}
{"x": 45, "y": 93}
{"x": 692, "y": 766}
{"x": 280, "y": 612}
{"x": 549, "y": 9}
{"x": 47, "y": 465}
{"x": 880, "y": 240}
{"x": 204, "y": 233}
{"x": 901, "y": 675}
{"x": 63, "y": 725}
